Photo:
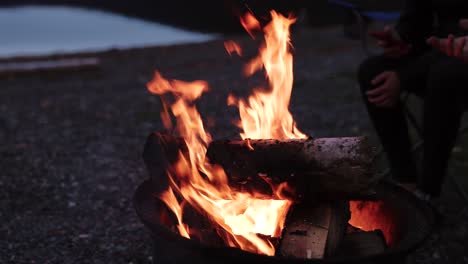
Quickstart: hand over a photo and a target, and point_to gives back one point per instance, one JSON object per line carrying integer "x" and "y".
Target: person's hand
{"x": 387, "y": 92}
{"x": 390, "y": 41}
{"x": 452, "y": 46}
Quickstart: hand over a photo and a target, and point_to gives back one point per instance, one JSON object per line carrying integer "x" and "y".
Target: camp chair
{"x": 356, "y": 27}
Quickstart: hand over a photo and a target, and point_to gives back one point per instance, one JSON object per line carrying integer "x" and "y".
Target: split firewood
{"x": 339, "y": 218}
{"x": 325, "y": 167}
{"x": 306, "y": 231}
{"x": 314, "y": 230}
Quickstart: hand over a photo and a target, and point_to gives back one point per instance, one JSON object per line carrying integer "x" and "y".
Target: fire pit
{"x": 275, "y": 196}
{"x": 409, "y": 220}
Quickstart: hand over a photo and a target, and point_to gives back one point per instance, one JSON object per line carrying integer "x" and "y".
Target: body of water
{"x": 48, "y": 30}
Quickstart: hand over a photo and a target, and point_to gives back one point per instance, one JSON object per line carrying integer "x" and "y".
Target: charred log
{"x": 326, "y": 167}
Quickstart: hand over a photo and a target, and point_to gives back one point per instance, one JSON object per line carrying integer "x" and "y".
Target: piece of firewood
{"x": 160, "y": 153}
{"x": 339, "y": 217}
{"x": 323, "y": 167}
{"x": 314, "y": 230}
{"x": 306, "y": 231}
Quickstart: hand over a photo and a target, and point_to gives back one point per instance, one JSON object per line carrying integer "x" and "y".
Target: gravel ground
{"x": 70, "y": 158}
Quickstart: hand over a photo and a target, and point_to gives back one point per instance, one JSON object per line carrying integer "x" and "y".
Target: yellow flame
{"x": 265, "y": 114}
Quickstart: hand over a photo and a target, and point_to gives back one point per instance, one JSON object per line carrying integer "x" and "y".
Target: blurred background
{"x": 31, "y": 27}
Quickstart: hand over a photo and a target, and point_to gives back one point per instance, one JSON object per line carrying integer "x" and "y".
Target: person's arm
{"x": 416, "y": 23}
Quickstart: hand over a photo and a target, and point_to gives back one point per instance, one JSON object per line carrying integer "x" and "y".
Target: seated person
{"x": 417, "y": 60}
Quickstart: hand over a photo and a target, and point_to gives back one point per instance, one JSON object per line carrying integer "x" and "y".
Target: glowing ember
{"x": 373, "y": 215}
{"x": 246, "y": 220}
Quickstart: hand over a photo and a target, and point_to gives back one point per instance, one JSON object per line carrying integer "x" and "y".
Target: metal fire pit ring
{"x": 415, "y": 217}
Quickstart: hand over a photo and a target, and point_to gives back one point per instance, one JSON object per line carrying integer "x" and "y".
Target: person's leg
{"x": 389, "y": 123}
{"x": 446, "y": 99}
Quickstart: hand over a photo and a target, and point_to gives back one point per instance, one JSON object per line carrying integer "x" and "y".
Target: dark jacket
{"x": 422, "y": 18}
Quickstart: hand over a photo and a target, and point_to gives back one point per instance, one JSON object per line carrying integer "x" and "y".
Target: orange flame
{"x": 247, "y": 220}
{"x": 265, "y": 114}
{"x": 232, "y": 47}
{"x": 250, "y": 23}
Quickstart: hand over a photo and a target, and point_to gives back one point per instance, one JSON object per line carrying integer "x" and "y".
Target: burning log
{"x": 160, "y": 153}
{"x": 314, "y": 229}
{"x": 326, "y": 167}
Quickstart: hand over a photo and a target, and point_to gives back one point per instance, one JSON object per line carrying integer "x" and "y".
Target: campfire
{"x": 275, "y": 191}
